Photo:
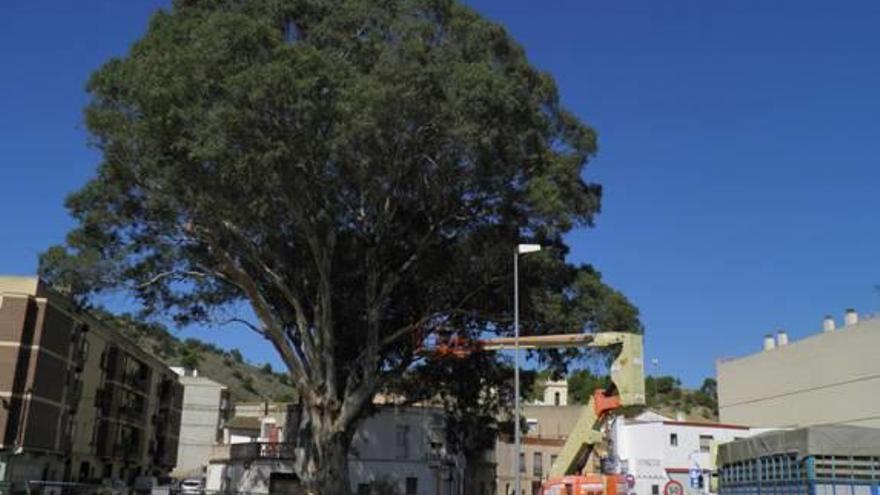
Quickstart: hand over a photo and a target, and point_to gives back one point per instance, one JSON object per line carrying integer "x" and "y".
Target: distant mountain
{"x": 246, "y": 381}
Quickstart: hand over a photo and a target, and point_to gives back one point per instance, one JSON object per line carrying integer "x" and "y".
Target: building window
{"x": 673, "y": 439}
{"x": 412, "y": 486}
{"x": 655, "y": 489}
{"x": 536, "y": 488}
{"x": 522, "y": 462}
{"x": 537, "y": 464}
{"x": 553, "y": 460}
{"x": 706, "y": 443}
{"x": 531, "y": 425}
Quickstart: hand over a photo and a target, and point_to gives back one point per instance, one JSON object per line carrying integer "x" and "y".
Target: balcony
{"x": 104, "y": 400}
{"x": 74, "y": 394}
{"x": 261, "y": 450}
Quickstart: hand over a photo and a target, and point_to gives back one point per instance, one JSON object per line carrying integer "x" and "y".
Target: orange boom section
{"x": 586, "y": 484}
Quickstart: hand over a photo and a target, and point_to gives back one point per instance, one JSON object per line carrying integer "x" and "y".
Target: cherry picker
{"x": 576, "y": 470}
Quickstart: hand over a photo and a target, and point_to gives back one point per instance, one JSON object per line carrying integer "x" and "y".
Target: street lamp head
{"x": 528, "y": 248}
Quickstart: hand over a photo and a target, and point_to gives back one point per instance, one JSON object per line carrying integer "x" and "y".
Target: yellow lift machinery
{"x": 570, "y": 474}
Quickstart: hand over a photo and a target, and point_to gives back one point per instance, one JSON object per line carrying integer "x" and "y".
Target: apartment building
{"x": 78, "y": 400}
{"x": 547, "y": 429}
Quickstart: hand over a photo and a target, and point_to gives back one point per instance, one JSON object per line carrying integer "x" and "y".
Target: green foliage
{"x": 478, "y": 407}
{"x": 190, "y": 358}
{"x": 665, "y": 392}
{"x": 236, "y": 355}
{"x": 582, "y": 383}
{"x": 266, "y": 369}
{"x": 355, "y": 172}
{"x": 248, "y": 383}
{"x": 533, "y": 384}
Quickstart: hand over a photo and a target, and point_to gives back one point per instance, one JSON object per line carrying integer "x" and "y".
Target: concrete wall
{"x": 236, "y": 477}
{"x": 204, "y": 402}
{"x": 826, "y": 378}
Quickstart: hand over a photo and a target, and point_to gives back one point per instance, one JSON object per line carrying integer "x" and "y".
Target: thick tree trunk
{"x": 332, "y": 477}
{"x": 321, "y": 453}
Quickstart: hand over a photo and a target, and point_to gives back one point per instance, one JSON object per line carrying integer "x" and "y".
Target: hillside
{"x": 253, "y": 382}
{"x": 246, "y": 381}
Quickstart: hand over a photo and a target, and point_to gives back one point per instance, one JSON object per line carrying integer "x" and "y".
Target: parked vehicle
{"x": 192, "y": 486}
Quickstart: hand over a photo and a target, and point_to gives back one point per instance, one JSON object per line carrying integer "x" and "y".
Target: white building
{"x": 404, "y": 447}
{"x": 656, "y": 449}
{"x": 205, "y": 411}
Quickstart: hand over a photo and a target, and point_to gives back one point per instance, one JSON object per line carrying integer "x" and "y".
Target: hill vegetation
{"x": 664, "y": 394}
{"x": 254, "y": 382}
{"x": 246, "y": 381}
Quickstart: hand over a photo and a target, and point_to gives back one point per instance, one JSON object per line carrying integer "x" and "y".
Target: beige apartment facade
{"x": 830, "y": 377}
{"x": 80, "y": 402}
{"x": 547, "y": 429}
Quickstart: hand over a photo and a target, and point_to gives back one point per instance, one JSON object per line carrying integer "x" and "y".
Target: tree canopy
{"x": 357, "y": 172}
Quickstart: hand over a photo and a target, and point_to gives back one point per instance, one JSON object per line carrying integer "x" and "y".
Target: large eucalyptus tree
{"x": 357, "y": 172}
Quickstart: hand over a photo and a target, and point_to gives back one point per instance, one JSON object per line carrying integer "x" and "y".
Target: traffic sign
{"x": 694, "y": 475}
{"x": 673, "y": 488}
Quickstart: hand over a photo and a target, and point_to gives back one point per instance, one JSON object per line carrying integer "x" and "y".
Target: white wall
{"x": 395, "y": 444}
{"x": 235, "y": 477}
{"x": 782, "y": 387}
{"x": 551, "y": 389}
{"x": 199, "y": 423}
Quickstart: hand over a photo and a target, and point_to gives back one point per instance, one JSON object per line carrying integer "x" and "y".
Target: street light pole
{"x": 517, "y": 435}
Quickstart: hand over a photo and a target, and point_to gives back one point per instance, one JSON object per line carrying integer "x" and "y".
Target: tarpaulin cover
{"x": 838, "y": 440}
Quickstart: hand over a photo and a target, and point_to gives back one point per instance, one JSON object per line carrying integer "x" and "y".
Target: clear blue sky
{"x": 737, "y": 152}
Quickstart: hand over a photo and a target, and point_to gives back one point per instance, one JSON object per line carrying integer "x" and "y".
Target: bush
{"x": 236, "y": 355}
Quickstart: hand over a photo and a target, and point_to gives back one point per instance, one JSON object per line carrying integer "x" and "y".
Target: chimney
{"x": 850, "y": 318}
{"x": 680, "y": 416}
{"x": 769, "y": 343}
{"x": 781, "y": 338}
{"x": 828, "y": 324}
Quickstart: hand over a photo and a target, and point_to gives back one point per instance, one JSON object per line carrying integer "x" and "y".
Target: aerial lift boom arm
{"x": 627, "y": 377}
